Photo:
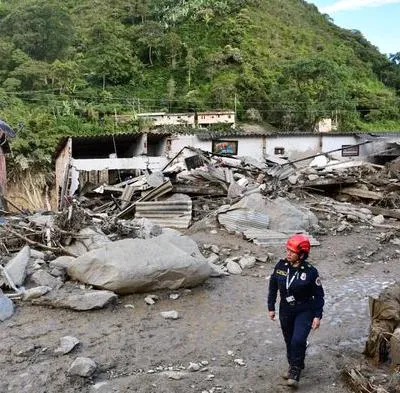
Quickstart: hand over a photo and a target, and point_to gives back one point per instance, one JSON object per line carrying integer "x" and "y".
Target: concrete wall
{"x": 180, "y": 141}
{"x": 204, "y": 118}
{"x": 331, "y": 142}
{"x": 295, "y": 147}
{"x": 99, "y": 164}
{"x": 166, "y": 119}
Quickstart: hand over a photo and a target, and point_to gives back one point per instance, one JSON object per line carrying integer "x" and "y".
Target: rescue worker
{"x": 301, "y": 302}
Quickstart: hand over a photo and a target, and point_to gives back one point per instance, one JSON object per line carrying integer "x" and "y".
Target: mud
{"x": 222, "y": 320}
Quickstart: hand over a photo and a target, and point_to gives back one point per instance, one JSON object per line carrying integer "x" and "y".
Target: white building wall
{"x": 181, "y": 141}
{"x": 99, "y": 164}
{"x": 330, "y": 143}
{"x": 169, "y": 119}
{"x": 215, "y": 118}
{"x": 295, "y": 147}
{"x": 250, "y": 146}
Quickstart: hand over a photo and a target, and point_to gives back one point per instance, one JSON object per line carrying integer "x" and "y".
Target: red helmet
{"x": 299, "y": 244}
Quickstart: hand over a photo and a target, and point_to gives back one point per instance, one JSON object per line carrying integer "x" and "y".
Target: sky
{"x": 378, "y": 20}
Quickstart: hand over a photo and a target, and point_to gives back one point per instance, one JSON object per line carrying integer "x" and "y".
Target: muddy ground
{"x": 222, "y": 320}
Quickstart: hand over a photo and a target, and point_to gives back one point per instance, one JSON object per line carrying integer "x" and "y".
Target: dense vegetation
{"x": 68, "y": 67}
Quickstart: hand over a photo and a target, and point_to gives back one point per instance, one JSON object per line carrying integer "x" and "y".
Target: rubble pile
{"x": 262, "y": 202}
{"x": 382, "y": 347}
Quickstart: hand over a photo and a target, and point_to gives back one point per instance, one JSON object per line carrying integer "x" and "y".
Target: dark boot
{"x": 294, "y": 377}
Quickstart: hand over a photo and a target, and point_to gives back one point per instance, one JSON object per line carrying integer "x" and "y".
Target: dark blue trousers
{"x": 296, "y": 325}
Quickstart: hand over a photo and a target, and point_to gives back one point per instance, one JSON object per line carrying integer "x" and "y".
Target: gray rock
{"x": 247, "y": 262}
{"x": 285, "y": 217}
{"x": 218, "y": 271}
{"x": 234, "y": 268}
{"x": 293, "y": 179}
{"x": 79, "y": 302}
{"x": 213, "y": 258}
{"x": 176, "y": 375}
{"x": 42, "y": 278}
{"x": 35, "y": 254}
{"x": 57, "y": 272}
{"x": 101, "y": 387}
{"x": 82, "y": 367}
{"x": 231, "y": 259}
{"x": 378, "y": 220}
{"x": 6, "y": 307}
{"x": 194, "y": 367}
{"x": 170, "y": 314}
{"x": 226, "y": 251}
{"x": 151, "y": 299}
{"x": 215, "y": 249}
{"x": 67, "y": 344}
{"x": 127, "y": 266}
{"x": 62, "y": 262}
{"x": 36, "y": 292}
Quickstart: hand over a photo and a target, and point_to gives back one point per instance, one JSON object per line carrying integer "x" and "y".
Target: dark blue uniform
{"x": 301, "y": 300}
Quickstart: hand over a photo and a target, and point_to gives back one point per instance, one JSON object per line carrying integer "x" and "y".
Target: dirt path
{"x": 223, "y": 320}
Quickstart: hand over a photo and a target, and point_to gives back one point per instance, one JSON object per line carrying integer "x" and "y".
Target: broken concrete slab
{"x": 44, "y": 279}
{"x": 61, "y": 262}
{"x": 363, "y": 194}
{"x": 36, "y": 292}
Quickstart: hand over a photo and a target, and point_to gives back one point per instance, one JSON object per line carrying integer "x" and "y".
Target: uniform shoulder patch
{"x": 318, "y": 281}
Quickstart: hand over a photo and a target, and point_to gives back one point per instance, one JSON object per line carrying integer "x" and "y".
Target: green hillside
{"x": 67, "y": 67}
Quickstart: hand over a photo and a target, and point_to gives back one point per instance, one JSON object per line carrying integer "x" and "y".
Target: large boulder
{"x": 285, "y": 217}
{"x": 138, "y": 265}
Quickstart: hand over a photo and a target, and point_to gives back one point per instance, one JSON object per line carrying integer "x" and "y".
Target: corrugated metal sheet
{"x": 273, "y": 238}
{"x": 242, "y": 220}
{"x": 254, "y": 226}
{"x": 172, "y": 213}
{"x": 280, "y": 172}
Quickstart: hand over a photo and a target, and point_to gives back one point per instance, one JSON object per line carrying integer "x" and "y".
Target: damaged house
{"x": 112, "y": 159}
{"x": 105, "y": 159}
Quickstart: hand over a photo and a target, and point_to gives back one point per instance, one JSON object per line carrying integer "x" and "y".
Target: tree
{"x": 43, "y": 30}
{"x": 308, "y": 90}
{"x": 110, "y": 57}
{"x": 151, "y": 36}
{"x": 65, "y": 75}
{"x": 173, "y": 44}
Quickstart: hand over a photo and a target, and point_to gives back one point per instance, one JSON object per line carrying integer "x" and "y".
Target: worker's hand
{"x": 315, "y": 323}
{"x": 271, "y": 315}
